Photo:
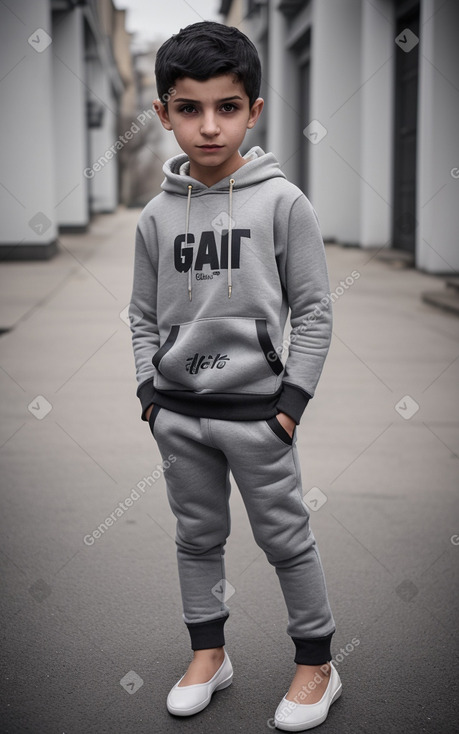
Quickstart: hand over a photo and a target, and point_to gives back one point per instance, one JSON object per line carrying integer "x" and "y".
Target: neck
{"x": 210, "y": 176}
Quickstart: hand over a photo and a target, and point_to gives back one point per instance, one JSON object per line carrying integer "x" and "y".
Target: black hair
{"x": 204, "y": 50}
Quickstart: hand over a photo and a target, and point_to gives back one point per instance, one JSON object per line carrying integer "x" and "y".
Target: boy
{"x": 221, "y": 255}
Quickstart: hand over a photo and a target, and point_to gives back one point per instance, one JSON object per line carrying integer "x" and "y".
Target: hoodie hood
{"x": 260, "y": 166}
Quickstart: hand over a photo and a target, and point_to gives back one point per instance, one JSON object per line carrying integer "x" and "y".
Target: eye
{"x": 187, "y": 109}
{"x": 229, "y": 107}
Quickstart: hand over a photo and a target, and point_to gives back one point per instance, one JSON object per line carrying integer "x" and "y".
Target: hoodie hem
{"x": 220, "y": 406}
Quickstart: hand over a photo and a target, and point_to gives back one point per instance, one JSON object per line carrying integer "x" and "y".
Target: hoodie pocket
{"x": 227, "y": 354}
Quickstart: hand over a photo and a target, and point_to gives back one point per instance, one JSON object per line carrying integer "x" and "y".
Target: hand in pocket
{"x": 287, "y": 423}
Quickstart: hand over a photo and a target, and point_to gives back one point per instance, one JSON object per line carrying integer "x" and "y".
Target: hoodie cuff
{"x": 293, "y": 401}
{"x": 146, "y": 395}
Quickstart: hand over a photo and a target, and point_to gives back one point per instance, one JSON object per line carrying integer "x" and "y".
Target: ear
{"x": 161, "y": 111}
{"x": 255, "y": 112}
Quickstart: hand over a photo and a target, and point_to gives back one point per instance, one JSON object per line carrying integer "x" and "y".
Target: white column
{"x": 377, "y": 95}
{"x": 70, "y": 118}
{"x": 335, "y": 161}
{"x": 274, "y": 110}
{"x": 27, "y": 195}
{"x": 437, "y": 249}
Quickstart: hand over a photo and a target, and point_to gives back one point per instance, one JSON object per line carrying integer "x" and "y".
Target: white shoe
{"x": 188, "y": 700}
{"x": 291, "y": 716}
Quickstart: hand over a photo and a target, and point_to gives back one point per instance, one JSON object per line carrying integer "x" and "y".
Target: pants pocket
{"x": 279, "y": 430}
{"x": 153, "y": 416}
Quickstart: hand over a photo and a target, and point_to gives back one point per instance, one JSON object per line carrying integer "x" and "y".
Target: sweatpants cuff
{"x": 207, "y": 634}
{"x": 313, "y": 651}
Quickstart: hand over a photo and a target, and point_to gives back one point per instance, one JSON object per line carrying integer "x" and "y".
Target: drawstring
{"x": 187, "y": 222}
{"x": 230, "y": 236}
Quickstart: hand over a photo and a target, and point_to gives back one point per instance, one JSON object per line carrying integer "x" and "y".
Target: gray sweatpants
{"x": 264, "y": 462}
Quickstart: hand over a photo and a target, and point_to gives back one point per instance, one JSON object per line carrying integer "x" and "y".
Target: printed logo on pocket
{"x": 202, "y": 362}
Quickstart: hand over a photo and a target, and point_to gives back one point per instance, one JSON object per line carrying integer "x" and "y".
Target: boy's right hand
{"x": 148, "y": 411}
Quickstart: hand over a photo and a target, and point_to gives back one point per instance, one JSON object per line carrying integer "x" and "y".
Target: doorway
{"x": 405, "y": 127}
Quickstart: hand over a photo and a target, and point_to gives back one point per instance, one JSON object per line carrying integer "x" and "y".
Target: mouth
{"x": 210, "y": 147}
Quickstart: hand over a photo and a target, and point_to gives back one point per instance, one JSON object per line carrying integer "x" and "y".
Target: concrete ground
{"x": 93, "y": 637}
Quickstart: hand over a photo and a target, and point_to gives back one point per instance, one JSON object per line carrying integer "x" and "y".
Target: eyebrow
{"x": 181, "y": 100}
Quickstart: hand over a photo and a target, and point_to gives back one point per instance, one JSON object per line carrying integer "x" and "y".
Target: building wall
{"x": 69, "y": 106}
{"x": 334, "y": 102}
{"x": 27, "y": 153}
{"x": 52, "y": 63}
{"x": 124, "y": 61}
{"x": 437, "y": 247}
{"x": 376, "y": 117}
{"x": 351, "y": 100}
{"x": 103, "y": 186}
{"x": 237, "y": 15}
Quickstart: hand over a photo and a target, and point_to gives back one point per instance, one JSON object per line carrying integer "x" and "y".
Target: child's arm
{"x": 304, "y": 275}
{"x": 143, "y": 318}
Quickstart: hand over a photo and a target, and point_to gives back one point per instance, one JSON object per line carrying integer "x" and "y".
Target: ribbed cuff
{"x": 313, "y": 651}
{"x": 207, "y": 634}
{"x": 293, "y": 401}
{"x": 146, "y": 394}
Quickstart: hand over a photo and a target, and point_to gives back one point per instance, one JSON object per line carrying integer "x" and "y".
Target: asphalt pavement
{"x": 93, "y": 637}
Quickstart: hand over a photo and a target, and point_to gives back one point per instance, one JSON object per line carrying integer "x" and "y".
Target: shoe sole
{"x": 311, "y": 724}
{"x": 200, "y": 706}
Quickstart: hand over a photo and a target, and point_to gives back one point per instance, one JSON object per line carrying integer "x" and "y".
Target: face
{"x": 209, "y": 120}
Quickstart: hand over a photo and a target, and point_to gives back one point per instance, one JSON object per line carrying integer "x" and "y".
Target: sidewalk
{"x": 379, "y": 443}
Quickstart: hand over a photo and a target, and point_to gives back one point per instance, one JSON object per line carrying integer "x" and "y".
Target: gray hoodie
{"x": 216, "y": 270}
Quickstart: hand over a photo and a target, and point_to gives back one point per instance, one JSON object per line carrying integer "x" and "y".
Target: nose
{"x": 209, "y": 124}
